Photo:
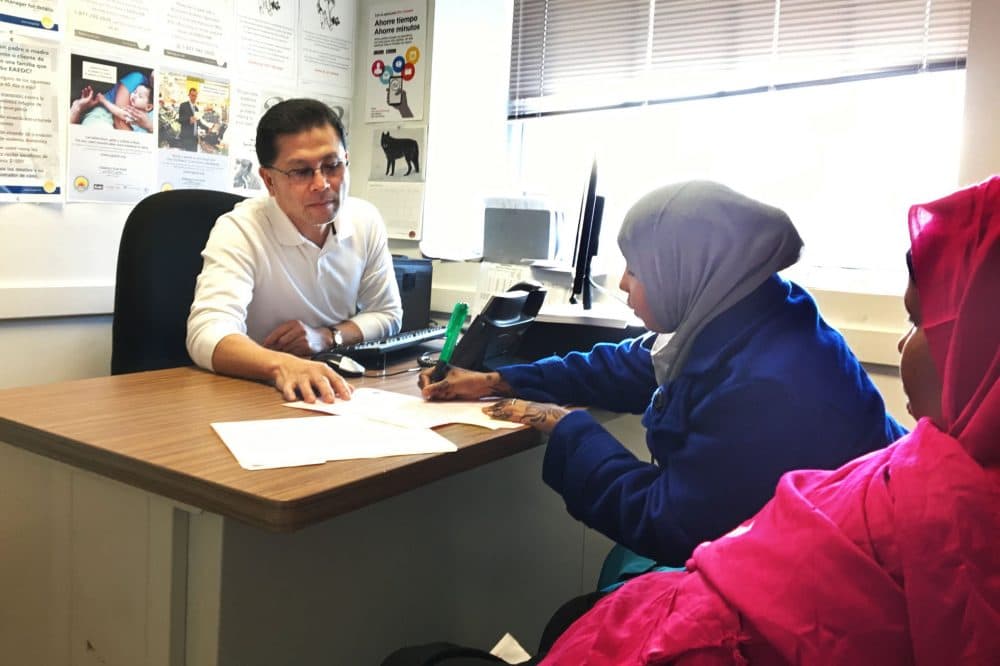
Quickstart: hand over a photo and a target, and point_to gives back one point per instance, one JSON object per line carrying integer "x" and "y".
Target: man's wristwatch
{"x": 338, "y": 337}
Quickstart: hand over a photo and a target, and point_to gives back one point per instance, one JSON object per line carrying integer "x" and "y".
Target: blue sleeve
{"x": 717, "y": 475}
{"x": 617, "y": 377}
{"x": 132, "y": 80}
{"x": 893, "y": 429}
{"x": 605, "y": 486}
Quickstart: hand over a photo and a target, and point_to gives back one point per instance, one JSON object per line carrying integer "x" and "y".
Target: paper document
{"x": 509, "y": 650}
{"x": 407, "y": 410}
{"x": 271, "y": 443}
{"x": 497, "y": 278}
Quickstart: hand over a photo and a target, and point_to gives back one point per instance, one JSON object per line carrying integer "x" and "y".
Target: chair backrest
{"x": 159, "y": 259}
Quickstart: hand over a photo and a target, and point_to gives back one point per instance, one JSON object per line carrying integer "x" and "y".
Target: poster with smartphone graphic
{"x": 397, "y": 42}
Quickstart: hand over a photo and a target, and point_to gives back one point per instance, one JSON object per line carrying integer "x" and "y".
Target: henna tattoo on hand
{"x": 541, "y": 416}
{"x": 538, "y": 415}
{"x": 445, "y": 390}
{"x": 501, "y": 409}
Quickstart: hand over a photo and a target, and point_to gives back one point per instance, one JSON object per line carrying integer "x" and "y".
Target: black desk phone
{"x": 494, "y": 335}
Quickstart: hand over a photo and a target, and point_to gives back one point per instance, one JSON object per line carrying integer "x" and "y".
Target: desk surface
{"x": 151, "y": 430}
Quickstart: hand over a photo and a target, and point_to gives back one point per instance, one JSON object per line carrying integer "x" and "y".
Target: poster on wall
{"x": 326, "y": 44}
{"x": 112, "y": 130}
{"x": 193, "y": 132}
{"x": 128, "y": 24}
{"x": 396, "y": 74}
{"x": 341, "y": 106}
{"x": 29, "y": 154}
{"x": 198, "y": 32}
{"x": 265, "y": 35}
{"x": 248, "y": 105}
{"x": 396, "y": 179}
{"x": 40, "y": 17}
{"x": 397, "y": 154}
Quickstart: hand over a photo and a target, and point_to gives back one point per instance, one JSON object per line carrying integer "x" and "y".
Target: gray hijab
{"x": 698, "y": 248}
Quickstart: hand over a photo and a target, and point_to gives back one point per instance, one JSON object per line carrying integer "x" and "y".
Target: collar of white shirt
{"x": 289, "y": 235}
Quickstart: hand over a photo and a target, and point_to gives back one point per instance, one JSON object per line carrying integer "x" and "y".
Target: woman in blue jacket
{"x": 740, "y": 380}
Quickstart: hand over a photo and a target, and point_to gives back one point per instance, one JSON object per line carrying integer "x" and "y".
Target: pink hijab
{"x": 892, "y": 559}
{"x": 956, "y": 256}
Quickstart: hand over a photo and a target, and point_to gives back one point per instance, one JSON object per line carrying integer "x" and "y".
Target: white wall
{"x": 42, "y": 351}
{"x": 45, "y": 248}
{"x": 981, "y": 145}
{"x": 57, "y": 267}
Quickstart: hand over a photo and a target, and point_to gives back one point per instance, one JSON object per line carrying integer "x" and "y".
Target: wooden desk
{"x": 129, "y": 535}
{"x": 151, "y": 430}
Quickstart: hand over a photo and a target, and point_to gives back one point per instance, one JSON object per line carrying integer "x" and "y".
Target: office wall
{"x": 59, "y": 260}
{"x": 56, "y": 288}
{"x": 46, "y": 350}
{"x": 57, "y": 267}
{"x": 981, "y": 145}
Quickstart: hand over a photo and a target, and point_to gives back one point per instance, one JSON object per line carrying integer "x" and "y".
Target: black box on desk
{"x": 545, "y": 338}
{"x": 413, "y": 276}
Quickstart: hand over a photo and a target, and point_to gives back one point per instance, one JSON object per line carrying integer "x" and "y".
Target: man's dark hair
{"x": 192, "y": 90}
{"x": 291, "y": 117}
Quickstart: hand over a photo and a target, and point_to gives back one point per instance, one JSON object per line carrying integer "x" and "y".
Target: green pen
{"x": 450, "y": 338}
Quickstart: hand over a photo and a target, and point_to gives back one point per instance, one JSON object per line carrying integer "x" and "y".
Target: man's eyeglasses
{"x": 303, "y": 175}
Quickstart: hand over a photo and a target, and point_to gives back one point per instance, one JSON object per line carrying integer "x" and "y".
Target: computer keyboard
{"x": 392, "y": 343}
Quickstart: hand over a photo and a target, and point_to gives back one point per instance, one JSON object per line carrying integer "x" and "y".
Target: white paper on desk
{"x": 271, "y": 443}
{"x": 406, "y": 410}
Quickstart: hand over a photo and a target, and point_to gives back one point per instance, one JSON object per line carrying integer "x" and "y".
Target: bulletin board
{"x": 90, "y": 98}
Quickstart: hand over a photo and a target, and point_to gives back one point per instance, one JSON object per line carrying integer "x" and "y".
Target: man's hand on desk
{"x": 311, "y": 379}
{"x": 461, "y": 384}
{"x": 239, "y": 356}
{"x": 540, "y": 415}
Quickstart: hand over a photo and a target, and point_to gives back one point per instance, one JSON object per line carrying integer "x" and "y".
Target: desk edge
{"x": 270, "y": 515}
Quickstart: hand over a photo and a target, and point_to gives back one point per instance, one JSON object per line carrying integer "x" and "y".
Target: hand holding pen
{"x": 460, "y": 384}
{"x": 458, "y": 314}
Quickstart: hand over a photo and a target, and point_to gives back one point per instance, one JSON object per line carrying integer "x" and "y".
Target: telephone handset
{"x": 536, "y": 296}
{"x": 495, "y": 334}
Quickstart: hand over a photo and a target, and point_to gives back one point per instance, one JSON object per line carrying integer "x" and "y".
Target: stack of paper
{"x": 373, "y": 424}
{"x": 407, "y": 410}
{"x": 271, "y": 443}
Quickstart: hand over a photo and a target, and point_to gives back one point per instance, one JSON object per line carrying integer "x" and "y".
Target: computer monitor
{"x": 587, "y": 234}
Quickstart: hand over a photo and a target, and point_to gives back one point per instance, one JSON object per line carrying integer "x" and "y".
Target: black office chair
{"x": 159, "y": 259}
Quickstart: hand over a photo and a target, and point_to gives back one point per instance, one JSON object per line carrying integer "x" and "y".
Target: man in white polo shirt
{"x": 292, "y": 273}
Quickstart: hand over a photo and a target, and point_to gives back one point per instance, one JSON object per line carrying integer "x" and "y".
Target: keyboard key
{"x": 392, "y": 343}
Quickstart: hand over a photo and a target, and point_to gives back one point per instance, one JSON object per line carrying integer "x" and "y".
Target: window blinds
{"x": 571, "y": 55}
